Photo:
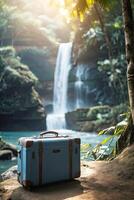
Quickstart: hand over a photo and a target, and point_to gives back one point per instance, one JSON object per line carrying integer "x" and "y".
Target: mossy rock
{"x": 19, "y": 97}
{"x": 89, "y": 126}
{"x": 7, "y": 146}
{"x": 82, "y": 113}
{"x": 117, "y": 111}
{"x": 6, "y": 154}
{"x": 94, "y": 111}
{"x": 77, "y": 115}
{"x": 95, "y": 126}
{"x": 96, "y": 118}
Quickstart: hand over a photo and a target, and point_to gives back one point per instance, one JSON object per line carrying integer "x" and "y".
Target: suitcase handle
{"x": 49, "y": 132}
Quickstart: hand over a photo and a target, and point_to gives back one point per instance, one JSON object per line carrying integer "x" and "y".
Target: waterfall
{"x": 78, "y": 87}
{"x": 63, "y": 66}
{"x": 56, "y": 120}
{"x": 81, "y": 89}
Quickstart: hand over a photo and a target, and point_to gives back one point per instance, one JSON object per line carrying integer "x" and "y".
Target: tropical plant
{"x": 106, "y": 149}
{"x": 79, "y": 7}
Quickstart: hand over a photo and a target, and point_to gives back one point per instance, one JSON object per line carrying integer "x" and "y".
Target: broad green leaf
{"x": 106, "y": 140}
{"x": 102, "y": 132}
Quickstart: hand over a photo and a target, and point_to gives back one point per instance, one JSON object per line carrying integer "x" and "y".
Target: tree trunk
{"x": 129, "y": 41}
{"x": 128, "y": 137}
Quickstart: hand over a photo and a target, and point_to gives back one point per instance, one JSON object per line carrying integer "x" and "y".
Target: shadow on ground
{"x": 57, "y": 191}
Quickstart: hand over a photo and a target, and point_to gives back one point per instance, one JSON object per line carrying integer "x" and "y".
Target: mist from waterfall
{"x": 56, "y": 120}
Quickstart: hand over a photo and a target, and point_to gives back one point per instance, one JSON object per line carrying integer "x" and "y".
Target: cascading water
{"x": 81, "y": 89}
{"x": 78, "y": 87}
{"x": 63, "y": 66}
{"x": 56, "y": 120}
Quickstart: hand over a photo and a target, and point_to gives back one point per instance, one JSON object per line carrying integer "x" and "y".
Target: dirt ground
{"x": 100, "y": 180}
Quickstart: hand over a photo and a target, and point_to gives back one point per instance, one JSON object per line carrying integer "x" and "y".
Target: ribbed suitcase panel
{"x": 48, "y": 160}
{"x": 56, "y": 161}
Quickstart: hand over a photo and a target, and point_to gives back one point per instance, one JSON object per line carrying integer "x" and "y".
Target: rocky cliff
{"x": 20, "y": 104}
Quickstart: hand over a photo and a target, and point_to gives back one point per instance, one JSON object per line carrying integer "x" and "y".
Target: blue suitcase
{"x": 48, "y": 159}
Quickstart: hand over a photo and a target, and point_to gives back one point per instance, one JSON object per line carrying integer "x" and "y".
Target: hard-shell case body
{"x": 47, "y": 160}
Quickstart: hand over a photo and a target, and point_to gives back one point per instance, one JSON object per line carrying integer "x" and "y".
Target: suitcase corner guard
{"x": 27, "y": 183}
{"x": 77, "y": 140}
{"x": 27, "y": 143}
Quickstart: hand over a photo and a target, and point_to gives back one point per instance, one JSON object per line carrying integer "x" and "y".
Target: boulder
{"x": 7, "y": 149}
{"x": 78, "y": 115}
{"x": 6, "y": 154}
{"x": 96, "y": 111}
{"x": 10, "y": 173}
{"x": 12, "y": 148}
{"x": 88, "y": 119}
{"x": 95, "y": 126}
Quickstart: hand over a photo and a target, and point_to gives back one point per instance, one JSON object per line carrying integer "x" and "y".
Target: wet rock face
{"x": 20, "y": 103}
{"x": 7, "y": 151}
{"x": 49, "y": 108}
{"x": 88, "y": 85}
{"x": 29, "y": 114}
{"x": 83, "y": 85}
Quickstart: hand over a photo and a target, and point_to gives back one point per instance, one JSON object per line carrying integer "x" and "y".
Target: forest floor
{"x": 100, "y": 180}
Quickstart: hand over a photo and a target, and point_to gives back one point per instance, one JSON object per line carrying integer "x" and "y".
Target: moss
{"x": 7, "y": 51}
{"x": 94, "y": 111}
{"x": 116, "y": 111}
{"x": 17, "y": 85}
{"x": 95, "y": 118}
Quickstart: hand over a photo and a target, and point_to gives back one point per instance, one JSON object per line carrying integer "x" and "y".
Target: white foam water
{"x": 56, "y": 120}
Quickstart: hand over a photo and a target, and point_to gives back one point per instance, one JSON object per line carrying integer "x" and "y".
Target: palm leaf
{"x": 106, "y": 140}
{"x": 109, "y": 130}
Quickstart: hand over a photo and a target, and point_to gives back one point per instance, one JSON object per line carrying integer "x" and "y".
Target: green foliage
{"x": 80, "y": 7}
{"x": 92, "y": 45}
{"x": 99, "y": 152}
{"x": 107, "y": 113}
{"x": 119, "y": 112}
{"x": 114, "y": 72}
{"x": 14, "y": 73}
{"x": 106, "y": 149}
{"x": 7, "y": 52}
{"x": 20, "y": 77}
{"x": 117, "y": 131}
{"x": 92, "y": 39}
{"x": 95, "y": 112}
